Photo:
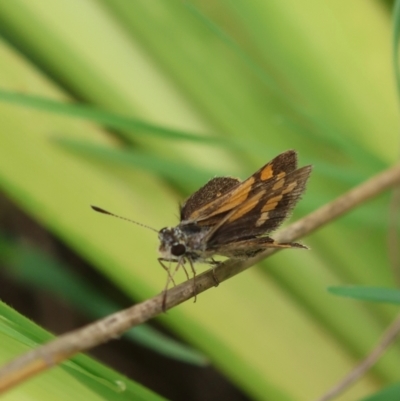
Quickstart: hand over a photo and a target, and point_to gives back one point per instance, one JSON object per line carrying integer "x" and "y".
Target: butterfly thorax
{"x": 184, "y": 240}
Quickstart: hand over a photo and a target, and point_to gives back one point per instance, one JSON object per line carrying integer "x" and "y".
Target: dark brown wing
{"x": 264, "y": 179}
{"x": 264, "y": 211}
{"x": 213, "y": 190}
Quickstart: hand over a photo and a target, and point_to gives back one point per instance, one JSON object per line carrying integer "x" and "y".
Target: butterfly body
{"x": 232, "y": 218}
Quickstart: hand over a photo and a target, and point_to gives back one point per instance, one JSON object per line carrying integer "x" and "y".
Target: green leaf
{"x": 374, "y": 294}
{"x": 109, "y": 120}
{"x": 80, "y": 375}
{"x": 185, "y": 174}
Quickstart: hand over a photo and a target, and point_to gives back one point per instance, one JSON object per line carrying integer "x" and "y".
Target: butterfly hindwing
{"x": 250, "y": 247}
{"x": 207, "y": 194}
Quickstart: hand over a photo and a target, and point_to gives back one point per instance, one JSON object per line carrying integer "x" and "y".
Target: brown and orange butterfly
{"x": 232, "y": 218}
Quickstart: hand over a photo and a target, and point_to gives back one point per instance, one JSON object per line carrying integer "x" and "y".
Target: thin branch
{"x": 393, "y": 235}
{"x": 111, "y": 327}
{"x": 387, "y": 339}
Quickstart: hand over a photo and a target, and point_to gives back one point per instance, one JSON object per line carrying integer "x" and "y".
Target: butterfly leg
{"x": 167, "y": 269}
{"x": 214, "y": 264}
{"x": 169, "y": 278}
{"x": 184, "y": 269}
{"x": 194, "y": 279}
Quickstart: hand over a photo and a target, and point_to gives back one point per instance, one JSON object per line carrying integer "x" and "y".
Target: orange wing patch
{"x": 279, "y": 184}
{"x": 290, "y": 188}
{"x": 262, "y": 219}
{"x": 247, "y": 206}
{"x": 267, "y": 172}
{"x": 272, "y": 203}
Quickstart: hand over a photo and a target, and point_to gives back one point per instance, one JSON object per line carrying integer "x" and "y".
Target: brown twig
{"x": 103, "y": 330}
{"x": 393, "y": 235}
{"x": 387, "y": 339}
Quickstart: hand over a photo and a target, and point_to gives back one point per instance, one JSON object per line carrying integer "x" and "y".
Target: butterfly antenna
{"x": 100, "y": 210}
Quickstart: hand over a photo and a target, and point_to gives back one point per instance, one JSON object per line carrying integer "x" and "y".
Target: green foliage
{"x": 387, "y": 295}
{"x": 79, "y": 378}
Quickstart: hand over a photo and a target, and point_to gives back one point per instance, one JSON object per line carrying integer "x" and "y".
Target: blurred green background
{"x": 133, "y": 105}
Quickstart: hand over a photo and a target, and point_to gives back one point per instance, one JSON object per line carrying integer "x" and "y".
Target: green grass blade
{"x": 79, "y": 378}
{"x": 374, "y": 294}
{"x": 109, "y": 120}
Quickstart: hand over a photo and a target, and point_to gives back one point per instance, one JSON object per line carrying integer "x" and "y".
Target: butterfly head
{"x": 172, "y": 243}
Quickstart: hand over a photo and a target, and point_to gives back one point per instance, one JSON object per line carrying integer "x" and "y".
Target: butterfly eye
{"x": 178, "y": 250}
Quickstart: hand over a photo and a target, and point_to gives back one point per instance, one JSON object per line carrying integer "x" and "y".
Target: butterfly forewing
{"x": 263, "y": 212}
